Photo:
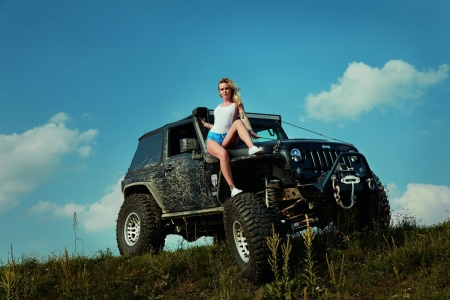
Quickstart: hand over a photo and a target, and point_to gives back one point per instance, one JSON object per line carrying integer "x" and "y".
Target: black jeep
{"x": 174, "y": 186}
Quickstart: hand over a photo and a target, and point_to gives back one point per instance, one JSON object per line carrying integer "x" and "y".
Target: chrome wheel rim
{"x": 240, "y": 242}
{"x": 132, "y": 229}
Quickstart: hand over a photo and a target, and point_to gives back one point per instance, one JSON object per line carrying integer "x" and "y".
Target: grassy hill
{"x": 405, "y": 261}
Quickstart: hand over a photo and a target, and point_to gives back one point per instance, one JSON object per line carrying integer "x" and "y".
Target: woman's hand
{"x": 253, "y": 134}
{"x": 205, "y": 124}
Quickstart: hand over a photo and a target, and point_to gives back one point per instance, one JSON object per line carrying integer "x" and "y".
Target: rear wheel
{"x": 248, "y": 223}
{"x": 139, "y": 226}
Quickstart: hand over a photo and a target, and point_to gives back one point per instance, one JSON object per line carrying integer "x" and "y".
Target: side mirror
{"x": 188, "y": 145}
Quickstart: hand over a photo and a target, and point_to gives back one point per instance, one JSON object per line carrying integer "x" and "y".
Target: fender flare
{"x": 150, "y": 187}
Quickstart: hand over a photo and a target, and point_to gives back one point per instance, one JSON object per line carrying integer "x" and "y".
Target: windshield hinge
{"x": 277, "y": 147}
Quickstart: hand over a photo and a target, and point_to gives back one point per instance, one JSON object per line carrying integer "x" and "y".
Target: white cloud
{"x": 29, "y": 158}
{"x": 393, "y": 190}
{"x": 363, "y": 88}
{"x": 84, "y": 151}
{"x": 437, "y": 122}
{"x": 103, "y": 214}
{"x": 95, "y": 217}
{"x": 59, "y": 118}
{"x": 86, "y": 116}
{"x": 429, "y": 204}
{"x": 62, "y": 211}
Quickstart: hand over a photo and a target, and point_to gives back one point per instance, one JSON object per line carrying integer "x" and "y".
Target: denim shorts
{"x": 217, "y": 137}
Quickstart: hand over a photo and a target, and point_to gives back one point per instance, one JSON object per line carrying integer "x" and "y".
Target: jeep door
{"x": 188, "y": 180}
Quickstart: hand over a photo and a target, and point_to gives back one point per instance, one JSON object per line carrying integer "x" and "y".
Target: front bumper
{"x": 343, "y": 177}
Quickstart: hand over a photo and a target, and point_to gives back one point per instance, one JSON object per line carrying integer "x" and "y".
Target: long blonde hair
{"x": 235, "y": 90}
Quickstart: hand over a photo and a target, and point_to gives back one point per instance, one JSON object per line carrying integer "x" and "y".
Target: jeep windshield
{"x": 268, "y": 127}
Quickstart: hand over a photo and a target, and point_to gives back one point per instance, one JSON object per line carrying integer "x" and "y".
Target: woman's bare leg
{"x": 237, "y": 128}
{"x": 216, "y": 150}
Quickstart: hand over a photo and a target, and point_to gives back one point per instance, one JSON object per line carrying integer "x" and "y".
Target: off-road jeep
{"x": 174, "y": 186}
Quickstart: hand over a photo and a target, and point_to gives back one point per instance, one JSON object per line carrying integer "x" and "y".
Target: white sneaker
{"x": 255, "y": 150}
{"x": 235, "y": 192}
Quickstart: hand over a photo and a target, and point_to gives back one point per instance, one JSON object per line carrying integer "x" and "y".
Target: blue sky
{"x": 81, "y": 81}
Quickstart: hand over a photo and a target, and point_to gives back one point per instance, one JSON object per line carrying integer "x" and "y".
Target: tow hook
{"x": 369, "y": 183}
{"x": 349, "y": 179}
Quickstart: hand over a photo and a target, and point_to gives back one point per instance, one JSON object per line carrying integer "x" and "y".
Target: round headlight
{"x": 296, "y": 155}
{"x": 354, "y": 159}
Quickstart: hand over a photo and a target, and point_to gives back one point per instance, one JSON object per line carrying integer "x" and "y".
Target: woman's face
{"x": 225, "y": 91}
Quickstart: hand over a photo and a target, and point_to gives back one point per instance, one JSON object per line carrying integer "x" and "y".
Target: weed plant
{"x": 405, "y": 261}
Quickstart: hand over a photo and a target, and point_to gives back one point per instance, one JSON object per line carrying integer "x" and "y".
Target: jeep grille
{"x": 322, "y": 160}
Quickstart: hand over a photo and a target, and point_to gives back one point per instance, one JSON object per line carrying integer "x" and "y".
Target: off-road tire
{"x": 376, "y": 214}
{"x": 139, "y": 226}
{"x": 248, "y": 223}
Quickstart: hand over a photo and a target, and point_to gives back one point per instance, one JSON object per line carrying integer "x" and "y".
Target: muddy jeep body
{"x": 174, "y": 186}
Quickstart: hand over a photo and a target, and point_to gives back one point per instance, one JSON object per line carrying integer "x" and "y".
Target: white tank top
{"x": 223, "y": 118}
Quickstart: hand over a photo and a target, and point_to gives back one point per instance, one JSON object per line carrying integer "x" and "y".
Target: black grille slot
{"x": 322, "y": 159}
{"x": 313, "y": 161}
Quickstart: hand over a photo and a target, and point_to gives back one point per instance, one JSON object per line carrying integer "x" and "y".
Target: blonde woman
{"x": 227, "y": 128}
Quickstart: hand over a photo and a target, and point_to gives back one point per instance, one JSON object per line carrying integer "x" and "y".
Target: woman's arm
{"x": 207, "y": 125}
{"x": 246, "y": 122}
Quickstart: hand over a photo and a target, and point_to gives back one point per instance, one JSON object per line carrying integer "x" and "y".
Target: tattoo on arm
{"x": 244, "y": 119}
{"x": 206, "y": 124}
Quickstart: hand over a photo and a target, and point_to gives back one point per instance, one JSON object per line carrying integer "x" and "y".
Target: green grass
{"x": 406, "y": 261}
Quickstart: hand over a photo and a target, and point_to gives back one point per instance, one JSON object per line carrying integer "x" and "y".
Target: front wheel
{"x": 248, "y": 223}
{"x": 376, "y": 214}
{"x": 139, "y": 226}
